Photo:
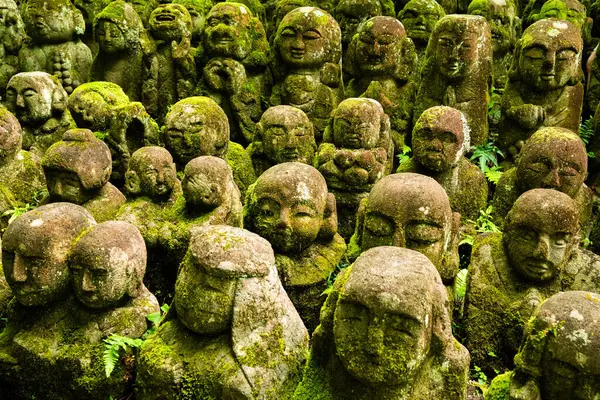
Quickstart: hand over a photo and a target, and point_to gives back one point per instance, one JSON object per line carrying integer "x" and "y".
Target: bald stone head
{"x": 11, "y": 136}
{"x": 419, "y": 18}
{"x": 151, "y": 173}
{"x": 34, "y": 97}
{"x": 501, "y": 16}
{"x": 358, "y": 123}
{"x": 207, "y": 183}
{"x": 349, "y": 14}
{"x": 540, "y": 232}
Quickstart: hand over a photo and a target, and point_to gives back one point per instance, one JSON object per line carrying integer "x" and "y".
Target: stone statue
{"x": 77, "y": 170}
{"x": 124, "y": 125}
{"x": 512, "y": 273}
{"x": 544, "y": 84}
{"x": 236, "y": 335}
{"x": 22, "y": 179}
{"x": 350, "y": 13}
{"x": 12, "y": 37}
{"x": 197, "y": 126}
{"x": 289, "y": 205}
{"x": 385, "y": 334}
{"x": 413, "y": 211}
{"x": 283, "y": 134}
{"x": 122, "y": 41}
{"x": 170, "y": 69}
{"x": 380, "y": 60}
{"x": 419, "y": 18}
{"x": 440, "y": 139}
{"x": 457, "y": 71}
{"x": 55, "y": 28}
{"x": 557, "y": 360}
{"x": 356, "y": 152}
{"x": 90, "y": 10}
{"x": 307, "y": 70}
{"x": 552, "y": 158}
{"x": 40, "y": 103}
{"x": 198, "y": 10}
{"x": 281, "y": 9}
{"x": 144, "y": 8}
{"x": 236, "y": 72}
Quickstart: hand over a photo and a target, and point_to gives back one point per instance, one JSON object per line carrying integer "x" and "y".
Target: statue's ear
{"x": 59, "y": 99}
{"x": 330, "y": 221}
{"x": 78, "y": 23}
{"x": 513, "y": 71}
{"x": 355, "y": 244}
{"x": 132, "y": 183}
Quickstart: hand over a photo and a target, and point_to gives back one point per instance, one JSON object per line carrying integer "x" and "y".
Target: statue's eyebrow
{"x": 305, "y": 202}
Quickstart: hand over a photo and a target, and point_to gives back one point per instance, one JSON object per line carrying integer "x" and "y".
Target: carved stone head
{"x": 540, "y": 232}
{"x": 196, "y": 126}
{"x": 92, "y": 104}
{"x": 440, "y": 137}
{"x": 359, "y": 123}
{"x": 11, "y": 136}
{"x": 208, "y": 183}
{"x": 55, "y": 21}
{"x": 501, "y": 16}
{"x": 12, "y": 28}
{"x": 118, "y": 28}
{"x": 35, "y": 97}
{"x": 76, "y": 167}
{"x": 350, "y": 13}
{"x": 151, "y": 173}
{"x": 90, "y": 10}
{"x": 419, "y": 18}
{"x": 565, "y": 10}
{"x": 108, "y": 263}
{"x": 289, "y": 205}
{"x": 170, "y": 22}
{"x": 35, "y": 248}
{"x": 198, "y": 10}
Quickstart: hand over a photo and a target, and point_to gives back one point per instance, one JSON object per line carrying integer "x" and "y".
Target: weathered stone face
{"x": 357, "y": 124}
{"x": 151, "y": 173}
{"x": 118, "y": 28}
{"x": 206, "y": 286}
{"x": 198, "y": 10}
{"x": 11, "y": 136}
{"x": 287, "y": 206}
{"x": 92, "y": 104}
{"x": 457, "y": 46}
{"x": 35, "y": 248}
{"x": 194, "y": 127}
{"x": 419, "y": 18}
{"x": 34, "y": 97}
{"x": 541, "y": 230}
{"x": 207, "y": 182}
{"x": 53, "y": 21}
{"x": 12, "y": 28}
{"x": 549, "y": 55}
{"x": 349, "y": 14}
{"x": 228, "y": 31}
{"x": 109, "y": 37}
{"x": 553, "y": 158}
{"x": 108, "y": 263}
{"x": 287, "y": 135}
{"x": 379, "y": 47}
{"x": 76, "y": 167}
{"x": 90, "y": 10}
{"x": 500, "y": 15}
{"x": 565, "y": 10}
{"x": 144, "y": 8}
{"x": 409, "y": 210}
{"x": 307, "y": 37}
{"x": 170, "y": 22}
{"x": 438, "y": 138}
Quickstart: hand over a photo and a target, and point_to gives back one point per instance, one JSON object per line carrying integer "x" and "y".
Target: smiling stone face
{"x": 170, "y": 22}
{"x": 357, "y": 124}
{"x": 227, "y": 32}
{"x": 500, "y": 15}
{"x": 419, "y": 18}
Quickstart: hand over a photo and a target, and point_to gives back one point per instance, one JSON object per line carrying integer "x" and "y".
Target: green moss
{"x": 241, "y": 165}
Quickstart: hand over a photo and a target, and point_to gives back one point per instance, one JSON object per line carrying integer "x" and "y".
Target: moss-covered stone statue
{"x": 280, "y": 9}
{"x": 77, "y": 170}
{"x": 440, "y": 138}
{"x": 39, "y": 101}
{"x": 558, "y": 359}
{"x": 380, "y": 60}
{"x": 552, "y": 158}
{"x": 512, "y": 273}
{"x": 350, "y": 13}
{"x": 236, "y": 335}
{"x": 457, "y": 71}
{"x": 144, "y": 8}
{"x": 170, "y": 68}
{"x": 307, "y": 70}
{"x": 419, "y": 18}
{"x": 12, "y": 37}
{"x": 356, "y": 152}
{"x": 22, "y": 178}
{"x": 413, "y": 211}
{"x": 90, "y": 10}
{"x": 197, "y": 126}
{"x": 544, "y": 83}
{"x": 35, "y": 250}
{"x": 122, "y": 40}
{"x": 124, "y": 125}
{"x": 385, "y": 334}
{"x": 236, "y": 72}
{"x": 55, "y": 28}
{"x": 290, "y": 207}
{"x": 501, "y": 15}
{"x": 198, "y": 10}
{"x": 283, "y": 134}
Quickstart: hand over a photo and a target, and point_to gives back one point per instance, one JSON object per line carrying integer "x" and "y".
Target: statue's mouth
{"x": 547, "y": 77}
{"x": 291, "y": 154}
{"x": 296, "y": 53}
{"x": 165, "y": 17}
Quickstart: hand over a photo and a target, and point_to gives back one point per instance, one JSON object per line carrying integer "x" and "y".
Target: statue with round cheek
{"x": 412, "y": 211}
{"x": 236, "y": 66}
{"x": 12, "y": 37}
{"x": 307, "y": 68}
{"x": 119, "y": 32}
{"x": 544, "y": 87}
{"x": 551, "y": 364}
{"x": 284, "y": 134}
{"x": 40, "y": 103}
{"x": 419, "y": 18}
{"x": 385, "y": 333}
{"x": 457, "y": 70}
{"x": 349, "y": 14}
{"x": 152, "y": 174}
{"x": 56, "y": 48}
{"x": 230, "y": 307}
{"x": 35, "y": 248}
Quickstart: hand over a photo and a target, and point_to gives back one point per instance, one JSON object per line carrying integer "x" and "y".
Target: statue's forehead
{"x": 37, "y": 80}
{"x": 294, "y": 190}
{"x": 285, "y": 117}
{"x": 552, "y": 34}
